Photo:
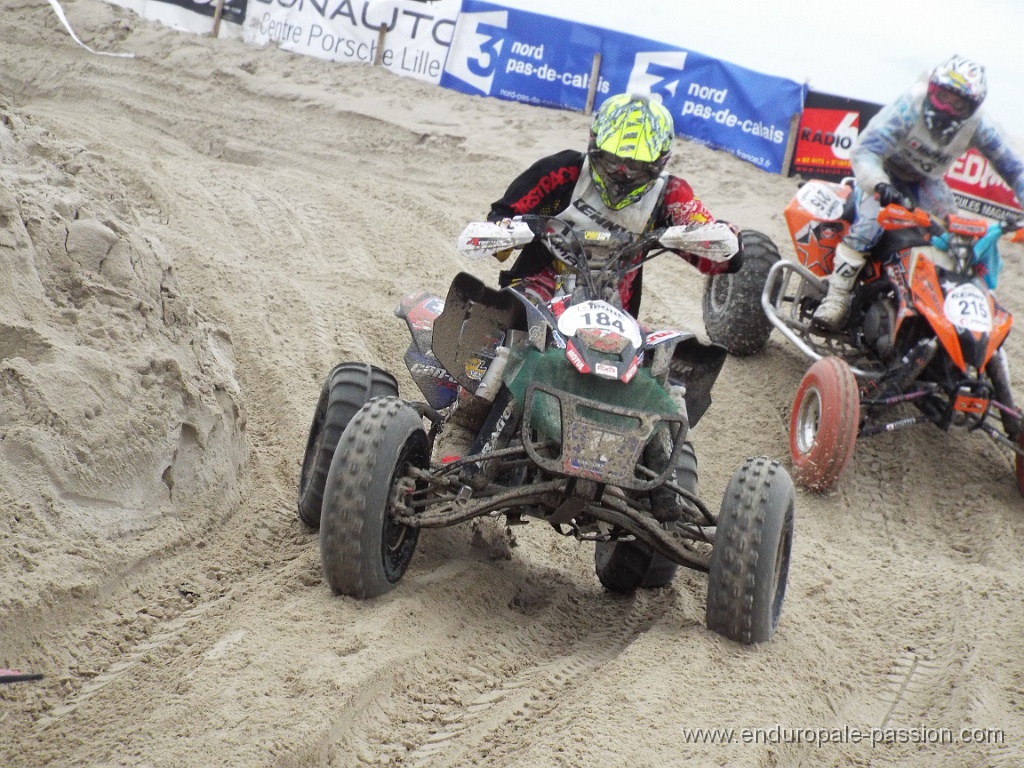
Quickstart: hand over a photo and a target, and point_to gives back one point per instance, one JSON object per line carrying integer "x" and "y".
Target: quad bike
{"x": 924, "y": 329}
{"x": 582, "y": 421}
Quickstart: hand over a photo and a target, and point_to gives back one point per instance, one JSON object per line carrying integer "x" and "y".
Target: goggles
{"x": 950, "y": 102}
{"x": 624, "y": 170}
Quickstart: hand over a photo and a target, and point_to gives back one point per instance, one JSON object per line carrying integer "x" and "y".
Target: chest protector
{"x": 588, "y": 212}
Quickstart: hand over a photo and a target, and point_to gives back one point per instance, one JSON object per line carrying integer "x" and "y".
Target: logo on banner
{"x": 824, "y": 141}
{"x": 474, "y": 59}
{"x": 978, "y": 189}
{"x": 657, "y": 72}
{"x": 827, "y": 136}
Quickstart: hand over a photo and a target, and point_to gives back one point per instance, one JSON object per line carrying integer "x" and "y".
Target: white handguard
{"x": 485, "y": 238}
{"x": 715, "y": 242}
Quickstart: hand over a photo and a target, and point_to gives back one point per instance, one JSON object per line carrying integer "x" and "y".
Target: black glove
{"x": 736, "y": 262}
{"x": 887, "y": 193}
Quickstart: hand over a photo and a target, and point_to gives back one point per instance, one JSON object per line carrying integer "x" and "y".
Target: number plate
{"x": 967, "y": 307}
{"x": 599, "y": 316}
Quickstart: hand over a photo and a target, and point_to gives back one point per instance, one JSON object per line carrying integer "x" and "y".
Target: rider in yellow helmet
{"x": 618, "y": 184}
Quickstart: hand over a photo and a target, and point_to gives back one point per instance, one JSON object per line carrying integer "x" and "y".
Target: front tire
{"x": 1000, "y": 377}
{"x": 364, "y": 552}
{"x": 347, "y": 388}
{"x": 733, "y": 315}
{"x": 823, "y": 424}
{"x": 751, "y": 553}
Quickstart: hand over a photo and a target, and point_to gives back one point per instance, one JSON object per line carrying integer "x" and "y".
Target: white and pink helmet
{"x": 957, "y": 87}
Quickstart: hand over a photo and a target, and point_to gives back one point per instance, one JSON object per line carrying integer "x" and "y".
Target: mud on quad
{"x": 925, "y": 330}
{"x": 585, "y": 428}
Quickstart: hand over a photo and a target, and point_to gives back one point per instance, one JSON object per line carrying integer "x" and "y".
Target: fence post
{"x": 380, "y": 45}
{"x": 794, "y": 128}
{"x": 217, "y": 13}
{"x": 595, "y": 75}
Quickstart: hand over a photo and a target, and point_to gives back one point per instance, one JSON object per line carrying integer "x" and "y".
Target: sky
{"x": 872, "y": 50}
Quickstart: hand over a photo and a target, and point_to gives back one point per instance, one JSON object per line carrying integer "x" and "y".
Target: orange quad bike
{"x": 925, "y": 328}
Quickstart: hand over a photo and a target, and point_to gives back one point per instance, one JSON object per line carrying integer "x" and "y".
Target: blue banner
{"x": 546, "y": 61}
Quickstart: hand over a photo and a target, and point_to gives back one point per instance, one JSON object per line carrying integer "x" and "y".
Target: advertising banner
{"x": 978, "y": 189}
{"x": 416, "y": 34}
{"x": 546, "y": 61}
{"x": 828, "y": 127}
{"x": 195, "y": 16}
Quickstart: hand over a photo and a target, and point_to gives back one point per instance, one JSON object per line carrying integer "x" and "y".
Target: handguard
{"x": 715, "y": 242}
{"x": 485, "y": 238}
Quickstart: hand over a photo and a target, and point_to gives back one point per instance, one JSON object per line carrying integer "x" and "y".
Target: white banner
{"x": 416, "y": 35}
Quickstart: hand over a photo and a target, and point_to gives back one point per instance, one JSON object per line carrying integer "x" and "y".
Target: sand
{"x": 189, "y": 241}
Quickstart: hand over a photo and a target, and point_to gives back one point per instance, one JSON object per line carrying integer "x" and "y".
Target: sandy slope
{"x": 189, "y": 241}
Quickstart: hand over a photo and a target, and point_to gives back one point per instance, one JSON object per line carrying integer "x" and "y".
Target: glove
{"x": 502, "y": 256}
{"x": 736, "y": 261}
{"x": 887, "y": 194}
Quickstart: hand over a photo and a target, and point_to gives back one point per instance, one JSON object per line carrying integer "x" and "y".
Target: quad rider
{"x": 902, "y": 156}
{"x": 619, "y": 184}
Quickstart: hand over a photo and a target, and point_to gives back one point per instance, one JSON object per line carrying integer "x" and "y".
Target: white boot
{"x": 831, "y": 313}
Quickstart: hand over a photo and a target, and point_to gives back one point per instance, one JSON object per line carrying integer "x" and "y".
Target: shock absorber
{"x": 912, "y": 364}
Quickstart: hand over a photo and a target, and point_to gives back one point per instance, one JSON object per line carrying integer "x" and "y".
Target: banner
{"x": 978, "y": 189}
{"x": 416, "y": 34}
{"x": 547, "y": 61}
{"x": 828, "y": 127}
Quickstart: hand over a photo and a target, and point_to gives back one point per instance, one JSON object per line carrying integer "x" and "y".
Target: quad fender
{"x": 696, "y": 364}
{"x": 420, "y": 310}
{"x": 474, "y": 323}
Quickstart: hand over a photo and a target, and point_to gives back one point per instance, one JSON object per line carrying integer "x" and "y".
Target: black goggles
{"x": 623, "y": 169}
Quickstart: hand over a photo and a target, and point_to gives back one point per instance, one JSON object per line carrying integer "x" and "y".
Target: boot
{"x": 832, "y": 311}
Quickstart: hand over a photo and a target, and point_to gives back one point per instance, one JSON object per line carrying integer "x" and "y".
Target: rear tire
{"x": 662, "y": 570}
{"x": 823, "y": 424}
{"x": 751, "y": 553}
{"x": 1018, "y": 466}
{"x": 733, "y": 315}
{"x": 364, "y": 552}
{"x": 625, "y": 566}
{"x": 347, "y": 388}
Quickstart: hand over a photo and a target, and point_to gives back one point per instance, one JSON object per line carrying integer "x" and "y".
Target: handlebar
{"x": 895, "y": 216}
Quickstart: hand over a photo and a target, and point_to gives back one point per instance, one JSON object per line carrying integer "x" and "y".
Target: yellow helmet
{"x": 630, "y": 140}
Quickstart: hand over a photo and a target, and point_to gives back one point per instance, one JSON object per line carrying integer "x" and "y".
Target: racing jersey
{"x": 560, "y": 185}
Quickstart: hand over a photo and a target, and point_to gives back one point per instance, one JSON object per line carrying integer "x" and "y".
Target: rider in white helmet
{"x": 902, "y": 156}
